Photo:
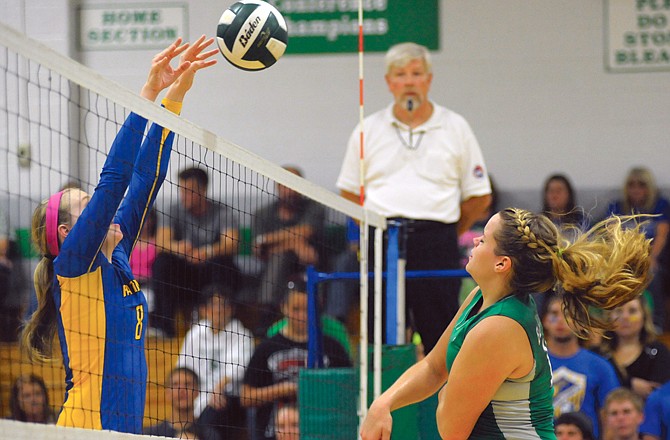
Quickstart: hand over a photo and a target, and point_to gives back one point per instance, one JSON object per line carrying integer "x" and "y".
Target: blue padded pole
{"x": 315, "y": 339}
{"x": 392, "y": 255}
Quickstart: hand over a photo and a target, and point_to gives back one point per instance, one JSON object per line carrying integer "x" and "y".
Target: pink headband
{"x": 52, "y": 223}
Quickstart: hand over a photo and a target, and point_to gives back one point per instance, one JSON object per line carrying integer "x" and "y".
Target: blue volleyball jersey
{"x": 102, "y": 312}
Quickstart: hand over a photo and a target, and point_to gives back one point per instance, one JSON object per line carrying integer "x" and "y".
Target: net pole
{"x": 377, "y": 384}
{"x": 364, "y": 233}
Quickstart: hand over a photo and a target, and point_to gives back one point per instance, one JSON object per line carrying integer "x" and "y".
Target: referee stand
{"x": 393, "y": 358}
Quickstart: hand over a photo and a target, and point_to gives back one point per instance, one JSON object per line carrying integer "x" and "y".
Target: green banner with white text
{"x": 331, "y": 26}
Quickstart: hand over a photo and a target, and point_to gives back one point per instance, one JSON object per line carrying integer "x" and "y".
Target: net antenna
{"x": 363, "y": 234}
{"x": 363, "y": 251}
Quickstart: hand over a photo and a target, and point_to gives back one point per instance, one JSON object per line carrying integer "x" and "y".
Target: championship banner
{"x": 331, "y": 26}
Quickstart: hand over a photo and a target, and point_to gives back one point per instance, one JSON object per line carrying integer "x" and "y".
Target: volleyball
{"x": 252, "y": 35}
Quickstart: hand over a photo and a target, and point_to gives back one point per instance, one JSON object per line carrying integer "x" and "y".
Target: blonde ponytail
{"x": 38, "y": 333}
{"x": 603, "y": 268}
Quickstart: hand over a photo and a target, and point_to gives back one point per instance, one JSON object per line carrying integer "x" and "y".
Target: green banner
{"x": 331, "y": 26}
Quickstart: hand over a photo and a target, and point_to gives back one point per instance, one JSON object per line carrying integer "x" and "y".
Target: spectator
{"x": 284, "y": 233}
{"x": 143, "y": 256}
{"x": 272, "y": 375}
{"x": 196, "y": 243}
{"x": 181, "y": 389}
{"x": 466, "y": 241}
{"x": 12, "y": 284}
{"x": 218, "y": 349}
{"x": 559, "y": 203}
{"x": 329, "y": 326}
{"x": 188, "y": 432}
{"x": 5, "y": 262}
{"x": 288, "y": 422}
{"x": 29, "y": 401}
{"x": 573, "y": 426}
{"x": 656, "y": 425}
{"x": 622, "y": 415}
{"x": 642, "y": 362}
{"x": 662, "y": 286}
{"x": 640, "y": 195}
{"x": 581, "y": 379}
{"x": 422, "y": 166}
{"x": 341, "y": 294}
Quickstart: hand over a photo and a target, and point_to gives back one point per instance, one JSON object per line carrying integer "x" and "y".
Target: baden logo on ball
{"x": 252, "y": 35}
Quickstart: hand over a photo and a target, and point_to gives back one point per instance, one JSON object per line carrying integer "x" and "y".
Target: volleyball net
{"x": 219, "y": 260}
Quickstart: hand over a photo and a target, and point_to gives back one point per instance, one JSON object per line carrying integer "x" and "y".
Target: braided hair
{"x": 603, "y": 267}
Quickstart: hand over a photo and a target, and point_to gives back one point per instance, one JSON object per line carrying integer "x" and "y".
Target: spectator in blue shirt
{"x": 656, "y": 425}
{"x": 581, "y": 379}
{"x": 640, "y": 195}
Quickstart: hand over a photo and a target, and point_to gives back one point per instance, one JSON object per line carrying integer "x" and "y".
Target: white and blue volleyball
{"x": 252, "y": 35}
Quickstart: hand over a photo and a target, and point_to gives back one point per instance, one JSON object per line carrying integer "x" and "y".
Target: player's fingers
{"x": 199, "y": 41}
{"x": 198, "y": 47}
{"x": 183, "y": 67}
{"x": 206, "y": 43}
{"x": 197, "y": 65}
{"x": 195, "y": 47}
{"x": 207, "y": 63}
{"x": 175, "y": 44}
{"x": 161, "y": 62}
{"x": 204, "y": 56}
{"x": 179, "y": 50}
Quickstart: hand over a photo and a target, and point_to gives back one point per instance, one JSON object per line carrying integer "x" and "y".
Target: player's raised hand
{"x": 195, "y": 54}
{"x": 198, "y": 58}
{"x": 162, "y": 75}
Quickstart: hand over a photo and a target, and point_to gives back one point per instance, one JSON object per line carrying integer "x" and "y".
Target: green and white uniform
{"x": 521, "y": 408}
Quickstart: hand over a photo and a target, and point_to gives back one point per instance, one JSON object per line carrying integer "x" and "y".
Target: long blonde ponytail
{"x": 37, "y": 336}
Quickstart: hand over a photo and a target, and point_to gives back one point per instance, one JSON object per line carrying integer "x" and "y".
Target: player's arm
{"x": 251, "y": 396}
{"x": 150, "y": 171}
{"x": 151, "y": 164}
{"x": 419, "y": 382}
{"x": 81, "y": 246}
{"x": 472, "y": 210}
{"x": 474, "y": 379}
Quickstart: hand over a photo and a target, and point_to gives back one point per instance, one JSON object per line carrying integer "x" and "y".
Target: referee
{"x": 423, "y": 166}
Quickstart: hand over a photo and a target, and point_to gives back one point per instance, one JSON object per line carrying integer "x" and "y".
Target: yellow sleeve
{"x": 173, "y": 106}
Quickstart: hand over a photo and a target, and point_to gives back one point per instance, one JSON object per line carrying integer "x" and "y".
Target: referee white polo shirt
{"x": 423, "y": 173}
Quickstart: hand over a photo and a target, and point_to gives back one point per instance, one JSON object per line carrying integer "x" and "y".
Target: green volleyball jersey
{"x": 521, "y": 408}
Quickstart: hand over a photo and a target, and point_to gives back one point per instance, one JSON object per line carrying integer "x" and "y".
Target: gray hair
{"x": 401, "y": 54}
